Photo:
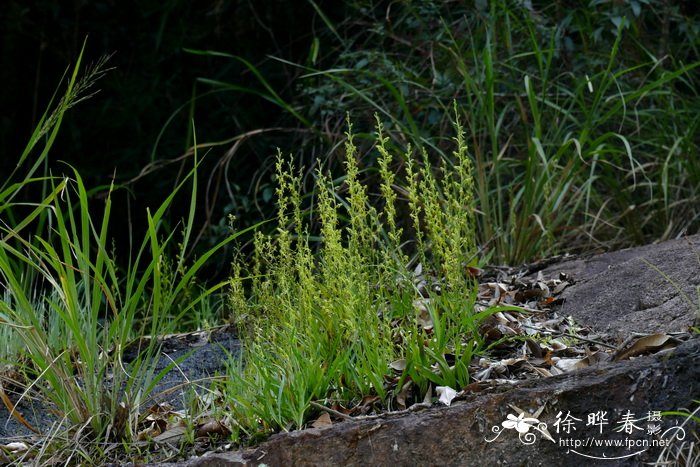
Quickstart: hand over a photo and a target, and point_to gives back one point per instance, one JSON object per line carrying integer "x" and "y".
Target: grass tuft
{"x": 324, "y": 329}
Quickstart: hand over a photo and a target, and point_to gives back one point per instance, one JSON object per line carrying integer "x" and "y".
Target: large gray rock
{"x": 649, "y": 289}
{"x": 617, "y": 293}
{"x": 457, "y": 435}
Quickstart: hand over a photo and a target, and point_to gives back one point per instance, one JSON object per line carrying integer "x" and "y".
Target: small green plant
{"x": 327, "y": 327}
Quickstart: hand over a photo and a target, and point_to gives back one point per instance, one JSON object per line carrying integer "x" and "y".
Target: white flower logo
{"x": 522, "y": 425}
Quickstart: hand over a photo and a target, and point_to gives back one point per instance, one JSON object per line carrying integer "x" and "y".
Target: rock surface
{"x": 459, "y": 435}
{"x": 652, "y": 289}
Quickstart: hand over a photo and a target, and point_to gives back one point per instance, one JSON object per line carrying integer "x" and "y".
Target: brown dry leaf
{"x": 156, "y": 422}
{"x": 390, "y": 381}
{"x": 490, "y": 333}
{"x": 150, "y": 431}
{"x": 366, "y": 404}
{"x": 164, "y": 409}
{"x": 213, "y": 429}
{"x": 485, "y": 292}
{"x": 509, "y": 317}
{"x": 548, "y": 300}
{"x": 339, "y": 408}
{"x": 496, "y": 326}
{"x": 172, "y": 435}
{"x": 529, "y": 294}
{"x": 500, "y": 291}
{"x": 647, "y": 344}
{"x": 473, "y": 272}
{"x": 534, "y": 348}
{"x": 475, "y": 387}
{"x": 403, "y": 394}
{"x": 322, "y": 421}
{"x": 548, "y": 358}
{"x": 597, "y": 357}
{"x": 558, "y": 346}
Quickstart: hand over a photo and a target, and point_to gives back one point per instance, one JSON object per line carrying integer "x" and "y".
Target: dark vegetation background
{"x": 123, "y": 129}
{"x": 136, "y": 129}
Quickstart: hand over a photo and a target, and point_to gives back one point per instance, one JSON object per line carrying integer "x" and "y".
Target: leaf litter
{"x": 528, "y": 338}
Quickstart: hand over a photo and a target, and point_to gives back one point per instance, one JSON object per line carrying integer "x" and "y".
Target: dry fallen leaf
{"x": 322, "y": 421}
{"x": 366, "y": 404}
{"x": 565, "y": 365}
{"x": 212, "y": 429}
{"x": 422, "y": 313}
{"x": 647, "y": 344}
{"x": 171, "y": 436}
{"x": 534, "y": 348}
{"x": 398, "y": 365}
{"x": 446, "y": 394}
{"x": 151, "y": 430}
{"x": 545, "y": 373}
{"x": 560, "y": 288}
{"x": 14, "y": 447}
{"x": 403, "y": 394}
{"x": 473, "y": 272}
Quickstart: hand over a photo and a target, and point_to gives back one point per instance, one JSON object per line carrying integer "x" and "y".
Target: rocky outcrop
{"x": 652, "y": 289}
{"x": 463, "y": 434}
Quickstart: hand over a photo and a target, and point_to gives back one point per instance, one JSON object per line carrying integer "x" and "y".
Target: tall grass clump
{"x": 324, "y": 328}
{"x": 69, "y": 310}
{"x": 580, "y": 120}
{"x": 74, "y": 310}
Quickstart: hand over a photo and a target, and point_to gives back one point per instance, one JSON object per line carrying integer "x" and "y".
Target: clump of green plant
{"x": 573, "y": 147}
{"x": 324, "y": 328}
{"x": 74, "y": 311}
{"x": 70, "y": 311}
